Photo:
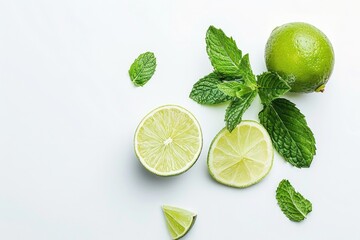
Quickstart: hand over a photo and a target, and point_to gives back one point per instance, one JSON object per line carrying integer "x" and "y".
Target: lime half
{"x": 168, "y": 140}
{"x": 241, "y": 158}
{"x": 178, "y": 221}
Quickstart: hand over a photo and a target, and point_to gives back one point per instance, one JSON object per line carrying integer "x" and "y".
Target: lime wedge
{"x": 241, "y": 158}
{"x": 168, "y": 140}
{"x": 178, "y": 221}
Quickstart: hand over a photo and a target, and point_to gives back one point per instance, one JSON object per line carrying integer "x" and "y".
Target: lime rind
{"x": 213, "y": 172}
{"x": 196, "y": 154}
{"x": 178, "y": 221}
{"x": 303, "y": 52}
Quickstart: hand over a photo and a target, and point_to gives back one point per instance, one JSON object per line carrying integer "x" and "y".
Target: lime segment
{"x": 241, "y": 158}
{"x": 168, "y": 140}
{"x": 178, "y": 221}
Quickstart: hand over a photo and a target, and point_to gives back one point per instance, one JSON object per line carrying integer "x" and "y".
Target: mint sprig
{"x": 233, "y": 80}
{"x": 142, "y": 69}
{"x": 292, "y": 203}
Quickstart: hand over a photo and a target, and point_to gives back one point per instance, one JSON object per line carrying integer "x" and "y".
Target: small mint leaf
{"x": 271, "y": 86}
{"x": 142, "y": 69}
{"x": 236, "y": 109}
{"x": 206, "y": 90}
{"x": 292, "y": 203}
{"x": 246, "y": 72}
{"x": 289, "y": 132}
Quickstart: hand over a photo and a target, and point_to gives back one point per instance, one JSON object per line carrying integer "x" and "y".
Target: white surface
{"x": 68, "y": 112}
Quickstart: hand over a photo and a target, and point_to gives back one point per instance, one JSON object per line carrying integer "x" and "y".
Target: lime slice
{"x": 241, "y": 158}
{"x": 178, "y": 221}
{"x": 168, "y": 140}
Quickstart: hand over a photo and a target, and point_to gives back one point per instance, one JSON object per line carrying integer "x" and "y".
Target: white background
{"x": 68, "y": 112}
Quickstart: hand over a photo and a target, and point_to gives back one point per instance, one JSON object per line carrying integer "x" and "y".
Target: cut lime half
{"x": 178, "y": 221}
{"x": 168, "y": 140}
{"x": 241, "y": 158}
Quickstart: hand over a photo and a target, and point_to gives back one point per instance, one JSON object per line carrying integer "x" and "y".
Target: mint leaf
{"x": 236, "y": 109}
{"x": 223, "y": 52}
{"x": 226, "y": 58}
{"x": 234, "y": 88}
{"x": 142, "y": 69}
{"x": 246, "y": 72}
{"x": 292, "y": 203}
{"x": 289, "y": 132}
{"x": 271, "y": 86}
{"x": 206, "y": 90}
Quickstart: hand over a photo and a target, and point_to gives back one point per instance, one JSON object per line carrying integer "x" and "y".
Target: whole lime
{"x": 302, "y": 54}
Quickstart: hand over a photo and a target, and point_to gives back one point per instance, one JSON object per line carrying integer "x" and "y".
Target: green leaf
{"x": 233, "y": 88}
{"x": 292, "y": 203}
{"x": 223, "y": 52}
{"x": 289, "y": 132}
{"x": 142, "y": 69}
{"x": 206, "y": 90}
{"x": 236, "y": 109}
{"x": 246, "y": 72}
{"x": 271, "y": 86}
{"x": 226, "y": 58}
